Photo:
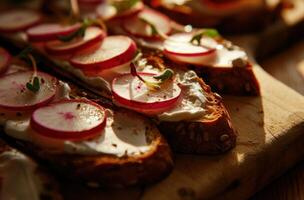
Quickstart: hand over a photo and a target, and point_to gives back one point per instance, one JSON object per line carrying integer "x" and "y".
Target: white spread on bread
{"x": 122, "y": 136}
{"x": 125, "y": 133}
{"x": 192, "y": 103}
{"x": 19, "y": 177}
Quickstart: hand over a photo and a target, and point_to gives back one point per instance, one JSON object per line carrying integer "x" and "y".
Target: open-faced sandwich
{"x": 91, "y": 141}
{"x": 188, "y": 113}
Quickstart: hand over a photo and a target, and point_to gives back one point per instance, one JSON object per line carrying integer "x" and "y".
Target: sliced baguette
{"x": 101, "y": 169}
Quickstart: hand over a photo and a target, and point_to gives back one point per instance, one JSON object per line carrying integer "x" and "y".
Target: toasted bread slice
{"x": 124, "y": 162}
{"x": 22, "y": 178}
{"x": 250, "y": 16}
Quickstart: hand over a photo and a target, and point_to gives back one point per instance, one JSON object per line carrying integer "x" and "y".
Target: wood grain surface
{"x": 288, "y": 67}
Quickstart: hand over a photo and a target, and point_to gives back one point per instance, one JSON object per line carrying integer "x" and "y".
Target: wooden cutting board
{"x": 270, "y": 140}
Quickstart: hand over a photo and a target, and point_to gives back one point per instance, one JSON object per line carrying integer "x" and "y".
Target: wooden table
{"x": 288, "y": 67}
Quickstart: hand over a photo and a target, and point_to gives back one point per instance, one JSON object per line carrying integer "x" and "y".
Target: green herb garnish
{"x": 81, "y": 31}
{"x": 154, "y": 30}
{"x": 150, "y": 85}
{"x": 165, "y": 75}
{"x": 124, "y": 5}
{"x": 196, "y": 39}
{"x": 34, "y": 83}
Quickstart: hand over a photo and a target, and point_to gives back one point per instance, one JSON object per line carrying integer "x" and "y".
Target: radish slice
{"x": 18, "y": 20}
{"x": 178, "y": 48}
{"x": 15, "y": 96}
{"x": 5, "y": 59}
{"x": 46, "y": 32}
{"x": 114, "y": 51}
{"x": 107, "y": 11}
{"x": 69, "y": 120}
{"x": 92, "y": 36}
{"x": 130, "y": 92}
{"x": 138, "y": 28}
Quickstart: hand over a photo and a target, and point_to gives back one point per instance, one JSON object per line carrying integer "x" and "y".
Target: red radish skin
{"x": 18, "y": 20}
{"x": 76, "y": 119}
{"x": 47, "y": 32}
{"x": 162, "y": 102}
{"x": 16, "y": 97}
{"x": 136, "y": 27}
{"x": 109, "y": 12}
{"x": 93, "y": 35}
{"x": 114, "y": 51}
{"x": 5, "y": 59}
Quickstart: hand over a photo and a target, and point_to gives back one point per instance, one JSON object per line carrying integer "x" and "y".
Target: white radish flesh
{"x": 47, "y": 32}
{"x": 179, "y": 48}
{"x": 92, "y": 36}
{"x": 139, "y": 28}
{"x": 130, "y": 92}
{"x": 69, "y": 119}
{"x": 14, "y": 95}
{"x": 114, "y": 51}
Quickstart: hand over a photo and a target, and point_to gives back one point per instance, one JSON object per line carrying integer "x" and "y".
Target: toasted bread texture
{"x": 233, "y": 81}
{"x": 247, "y": 20}
{"x": 210, "y": 134}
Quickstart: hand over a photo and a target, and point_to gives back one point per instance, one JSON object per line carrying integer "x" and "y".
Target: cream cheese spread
{"x": 122, "y": 136}
{"x": 192, "y": 103}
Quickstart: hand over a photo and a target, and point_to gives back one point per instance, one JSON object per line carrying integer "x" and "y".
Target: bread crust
{"x": 248, "y": 21}
{"x": 233, "y": 80}
{"x": 105, "y": 170}
{"x": 210, "y": 134}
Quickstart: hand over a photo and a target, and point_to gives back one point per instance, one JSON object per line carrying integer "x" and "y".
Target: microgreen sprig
{"x": 154, "y": 30}
{"x": 81, "y": 31}
{"x": 34, "y": 83}
{"x": 212, "y": 33}
{"x": 160, "y": 79}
